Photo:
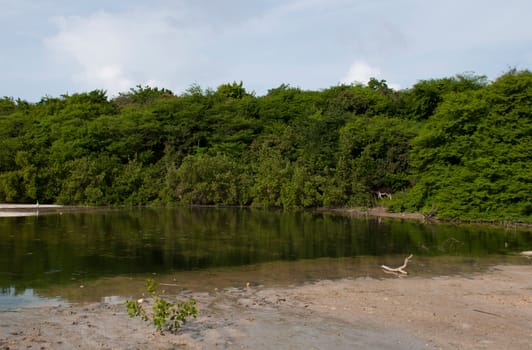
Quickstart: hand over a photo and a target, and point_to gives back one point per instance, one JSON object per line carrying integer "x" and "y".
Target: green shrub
{"x": 164, "y": 315}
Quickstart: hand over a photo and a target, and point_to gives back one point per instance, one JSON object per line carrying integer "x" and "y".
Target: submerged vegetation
{"x": 458, "y": 148}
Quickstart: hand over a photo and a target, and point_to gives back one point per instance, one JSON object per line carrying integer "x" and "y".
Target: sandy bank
{"x": 490, "y": 310}
{"x": 6, "y": 206}
{"x": 13, "y": 210}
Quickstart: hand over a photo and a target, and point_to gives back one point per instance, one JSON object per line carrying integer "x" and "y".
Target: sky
{"x": 54, "y": 47}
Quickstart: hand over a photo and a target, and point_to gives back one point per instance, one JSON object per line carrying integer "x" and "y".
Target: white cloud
{"x": 116, "y": 45}
{"x": 118, "y": 51}
{"x": 361, "y": 72}
{"x": 185, "y": 42}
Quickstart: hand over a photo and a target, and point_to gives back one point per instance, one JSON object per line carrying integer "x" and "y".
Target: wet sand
{"x": 481, "y": 310}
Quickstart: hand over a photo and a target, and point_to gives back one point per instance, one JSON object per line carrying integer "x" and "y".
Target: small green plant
{"x": 164, "y": 315}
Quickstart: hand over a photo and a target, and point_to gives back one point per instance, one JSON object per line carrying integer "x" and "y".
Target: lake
{"x": 107, "y": 254}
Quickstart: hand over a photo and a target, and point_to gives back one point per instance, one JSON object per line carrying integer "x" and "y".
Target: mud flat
{"x": 490, "y": 310}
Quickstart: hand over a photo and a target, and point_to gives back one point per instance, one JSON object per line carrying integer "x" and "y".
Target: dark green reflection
{"x": 52, "y": 249}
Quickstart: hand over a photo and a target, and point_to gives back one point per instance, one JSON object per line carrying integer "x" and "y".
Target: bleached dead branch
{"x": 399, "y": 269}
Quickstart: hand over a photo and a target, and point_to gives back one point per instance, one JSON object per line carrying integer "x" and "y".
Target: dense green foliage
{"x": 460, "y": 147}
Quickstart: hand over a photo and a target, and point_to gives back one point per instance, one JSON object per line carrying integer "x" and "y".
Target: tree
{"x": 472, "y": 157}
{"x": 7, "y": 105}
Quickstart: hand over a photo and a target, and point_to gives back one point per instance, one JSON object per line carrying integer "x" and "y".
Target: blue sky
{"x": 53, "y": 47}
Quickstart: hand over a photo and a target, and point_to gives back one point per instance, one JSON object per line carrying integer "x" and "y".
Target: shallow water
{"x": 87, "y": 256}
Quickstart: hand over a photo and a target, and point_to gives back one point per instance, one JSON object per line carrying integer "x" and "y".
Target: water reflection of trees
{"x": 64, "y": 248}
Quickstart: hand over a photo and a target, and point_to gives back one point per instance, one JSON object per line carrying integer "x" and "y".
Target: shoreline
{"x": 16, "y": 210}
{"x": 19, "y": 210}
{"x": 382, "y": 212}
{"x": 488, "y": 310}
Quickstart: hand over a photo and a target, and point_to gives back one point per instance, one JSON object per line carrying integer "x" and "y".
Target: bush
{"x": 164, "y": 315}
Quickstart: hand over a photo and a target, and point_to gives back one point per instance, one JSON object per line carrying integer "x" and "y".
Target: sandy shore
{"x": 14, "y": 210}
{"x": 11, "y": 210}
{"x": 491, "y": 310}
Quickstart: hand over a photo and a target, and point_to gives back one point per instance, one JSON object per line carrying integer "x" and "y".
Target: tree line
{"x": 457, "y": 147}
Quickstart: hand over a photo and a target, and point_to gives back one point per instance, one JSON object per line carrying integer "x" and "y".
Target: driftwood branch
{"x": 399, "y": 269}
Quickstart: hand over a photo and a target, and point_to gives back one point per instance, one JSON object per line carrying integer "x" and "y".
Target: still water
{"x": 77, "y": 256}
